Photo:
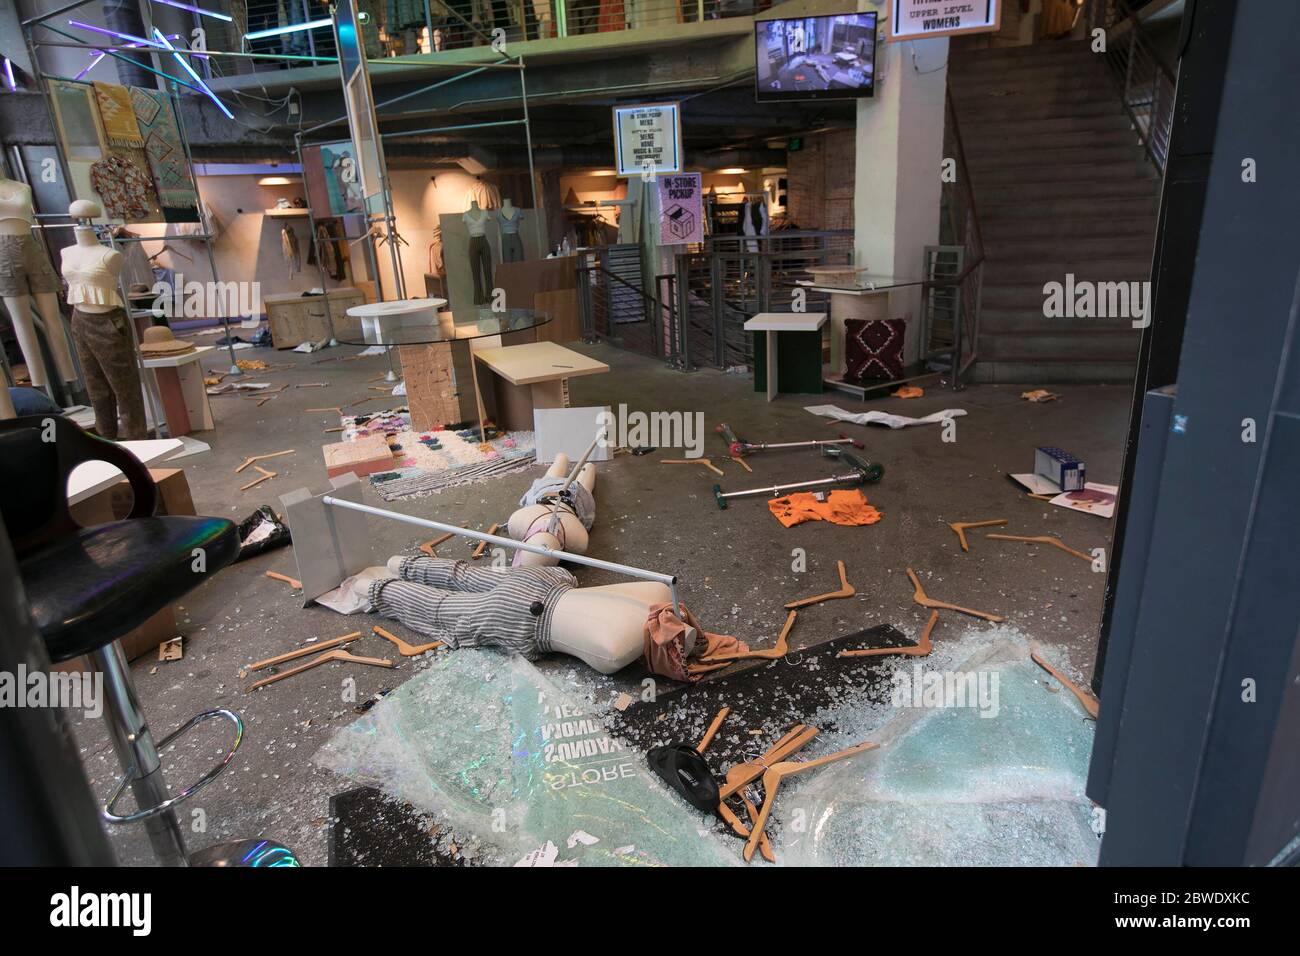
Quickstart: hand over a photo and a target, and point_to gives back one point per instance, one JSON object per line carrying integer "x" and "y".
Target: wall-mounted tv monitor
{"x": 814, "y": 58}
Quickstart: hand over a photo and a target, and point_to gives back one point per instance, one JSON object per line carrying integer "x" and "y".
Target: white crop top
{"x": 477, "y": 224}
{"x": 91, "y": 281}
{"x": 15, "y": 201}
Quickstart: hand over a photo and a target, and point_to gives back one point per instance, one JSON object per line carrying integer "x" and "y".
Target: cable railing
{"x": 958, "y": 339}
{"x": 1146, "y": 82}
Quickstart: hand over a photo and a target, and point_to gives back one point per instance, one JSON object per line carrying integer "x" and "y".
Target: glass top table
{"x": 461, "y": 325}
{"x": 862, "y": 283}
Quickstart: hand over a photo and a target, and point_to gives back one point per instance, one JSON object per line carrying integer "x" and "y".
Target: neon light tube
{"x": 10, "y": 81}
{"x": 203, "y": 87}
{"x": 91, "y": 65}
{"x": 292, "y": 28}
{"x": 113, "y": 33}
{"x": 199, "y": 10}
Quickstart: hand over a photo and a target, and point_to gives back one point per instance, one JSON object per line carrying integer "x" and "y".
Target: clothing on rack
{"x": 289, "y": 247}
{"x": 487, "y": 195}
{"x": 437, "y": 263}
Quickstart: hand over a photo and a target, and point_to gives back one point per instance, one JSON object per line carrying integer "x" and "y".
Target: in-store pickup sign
{"x": 648, "y": 139}
{"x": 916, "y": 19}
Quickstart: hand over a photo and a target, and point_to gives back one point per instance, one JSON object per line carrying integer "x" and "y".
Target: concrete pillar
{"x": 896, "y": 181}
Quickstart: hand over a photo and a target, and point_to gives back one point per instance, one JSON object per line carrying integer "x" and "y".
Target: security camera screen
{"x": 828, "y": 57}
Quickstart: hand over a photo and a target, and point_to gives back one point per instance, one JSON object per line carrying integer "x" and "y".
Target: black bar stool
{"x": 87, "y": 587}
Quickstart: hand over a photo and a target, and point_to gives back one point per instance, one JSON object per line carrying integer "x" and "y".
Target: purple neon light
{"x": 113, "y": 33}
{"x": 199, "y": 10}
{"x": 10, "y": 80}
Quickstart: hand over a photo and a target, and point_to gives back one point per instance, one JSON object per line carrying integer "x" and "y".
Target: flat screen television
{"x": 814, "y": 58}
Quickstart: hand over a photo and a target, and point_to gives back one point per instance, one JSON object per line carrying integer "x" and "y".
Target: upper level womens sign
{"x": 648, "y": 139}
{"x": 915, "y": 19}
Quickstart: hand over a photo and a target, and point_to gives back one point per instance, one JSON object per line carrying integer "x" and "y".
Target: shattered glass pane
{"x": 950, "y": 787}
{"x": 519, "y": 769}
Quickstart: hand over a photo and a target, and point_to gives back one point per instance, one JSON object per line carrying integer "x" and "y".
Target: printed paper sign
{"x": 647, "y": 139}
{"x": 681, "y": 200}
{"x": 916, "y": 19}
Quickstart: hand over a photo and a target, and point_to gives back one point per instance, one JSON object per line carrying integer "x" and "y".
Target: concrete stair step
{"x": 1039, "y": 372}
{"x": 1122, "y": 207}
{"x": 1027, "y": 95}
{"x": 1008, "y": 109}
{"x": 1003, "y": 321}
{"x": 1027, "y": 296}
{"x": 1029, "y": 194}
{"x": 960, "y": 58}
{"x": 996, "y": 132}
{"x": 1093, "y": 345}
{"x": 997, "y": 230}
{"x": 1052, "y": 250}
{"x": 1082, "y": 167}
{"x": 1004, "y": 273}
{"x": 989, "y": 150}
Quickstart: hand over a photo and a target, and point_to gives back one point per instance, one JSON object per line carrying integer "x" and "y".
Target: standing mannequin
{"x": 512, "y": 246}
{"x": 480, "y": 253}
{"x": 101, "y": 331}
{"x": 26, "y": 273}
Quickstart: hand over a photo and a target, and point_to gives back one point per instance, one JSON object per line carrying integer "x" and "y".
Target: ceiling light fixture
{"x": 203, "y": 87}
{"x": 292, "y": 28}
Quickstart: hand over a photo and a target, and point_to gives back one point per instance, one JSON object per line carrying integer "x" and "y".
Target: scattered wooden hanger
{"x": 742, "y": 463}
{"x": 403, "y": 648}
{"x": 482, "y": 545}
{"x": 1090, "y": 703}
{"x": 332, "y": 408}
{"x": 921, "y": 598}
{"x": 292, "y": 582}
{"x": 255, "y": 458}
{"x": 769, "y": 654}
{"x": 429, "y": 546}
{"x": 304, "y": 651}
{"x": 764, "y": 845}
{"x": 266, "y": 476}
{"x": 694, "y": 461}
{"x": 1042, "y": 539}
{"x": 772, "y": 778}
{"x": 743, "y": 774}
{"x": 920, "y": 649}
{"x": 334, "y": 655}
{"x": 846, "y": 590}
{"x": 961, "y": 527}
{"x": 712, "y": 731}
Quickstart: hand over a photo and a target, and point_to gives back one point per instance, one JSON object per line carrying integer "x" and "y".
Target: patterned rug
{"x": 162, "y": 146}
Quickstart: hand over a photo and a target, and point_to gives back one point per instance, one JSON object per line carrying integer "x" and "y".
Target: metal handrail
{"x": 1146, "y": 82}
{"x": 968, "y": 234}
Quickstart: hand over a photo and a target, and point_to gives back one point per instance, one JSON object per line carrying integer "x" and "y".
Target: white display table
{"x": 380, "y": 319}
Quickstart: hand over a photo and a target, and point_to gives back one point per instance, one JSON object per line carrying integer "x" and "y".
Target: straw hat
{"x": 158, "y": 341}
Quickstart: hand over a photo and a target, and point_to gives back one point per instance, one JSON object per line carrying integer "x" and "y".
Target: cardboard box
{"x": 362, "y": 457}
{"x": 1059, "y": 466}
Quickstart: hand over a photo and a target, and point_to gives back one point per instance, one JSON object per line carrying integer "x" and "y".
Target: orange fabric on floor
{"x": 909, "y": 391}
{"x": 843, "y": 507}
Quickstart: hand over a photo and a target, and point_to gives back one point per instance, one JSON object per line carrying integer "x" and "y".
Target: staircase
{"x": 1061, "y": 185}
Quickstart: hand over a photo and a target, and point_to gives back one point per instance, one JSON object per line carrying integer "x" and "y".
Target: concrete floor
{"x": 735, "y": 565}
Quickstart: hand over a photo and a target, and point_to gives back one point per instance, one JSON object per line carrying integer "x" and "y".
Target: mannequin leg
{"x": 124, "y": 377}
{"x": 449, "y": 574}
{"x": 102, "y": 399}
{"x": 20, "y": 313}
{"x": 47, "y": 304}
{"x": 560, "y": 467}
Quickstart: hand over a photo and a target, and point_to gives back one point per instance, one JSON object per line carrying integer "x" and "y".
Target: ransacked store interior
{"x": 694, "y": 433}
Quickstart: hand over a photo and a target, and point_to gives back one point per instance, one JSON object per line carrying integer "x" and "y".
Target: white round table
{"x": 379, "y": 319}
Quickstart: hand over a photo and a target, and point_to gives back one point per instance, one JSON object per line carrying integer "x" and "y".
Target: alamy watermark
{"x": 626, "y": 429}
{"x": 74, "y": 690}
{"x": 935, "y": 689}
{"x": 197, "y": 300}
{"x": 1084, "y": 299}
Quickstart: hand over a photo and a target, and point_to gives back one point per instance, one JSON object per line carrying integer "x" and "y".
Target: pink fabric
{"x": 665, "y": 644}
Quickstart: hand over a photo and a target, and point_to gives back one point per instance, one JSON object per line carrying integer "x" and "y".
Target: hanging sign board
{"x": 648, "y": 139}
{"x": 918, "y": 19}
{"x": 366, "y": 164}
{"x": 681, "y": 199}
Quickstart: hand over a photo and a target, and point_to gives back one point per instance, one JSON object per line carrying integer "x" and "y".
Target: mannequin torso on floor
{"x": 531, "y": 523}
{"x": 604, "y": 627}
{"x": 39, "y": 284}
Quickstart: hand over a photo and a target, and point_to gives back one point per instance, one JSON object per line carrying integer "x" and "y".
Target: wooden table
{"x": 773, "y": 323}
{"x": 532, "y": 376}
{"x": 180, "y": 388}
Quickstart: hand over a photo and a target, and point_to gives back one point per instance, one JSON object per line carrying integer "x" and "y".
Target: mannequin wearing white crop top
{"x": 101, "y": 330}
{"x": 26, "y": 276}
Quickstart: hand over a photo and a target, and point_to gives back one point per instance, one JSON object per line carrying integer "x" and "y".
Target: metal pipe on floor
{"x": 667, "y": 579}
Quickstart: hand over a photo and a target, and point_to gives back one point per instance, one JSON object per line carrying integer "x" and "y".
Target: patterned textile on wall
{"x": 78, "y": 120}
{"x": 163, "y": 148}
{"x": 873, "y": 348}
{"x": 125, "y": 188}
{"x": 115, "y": 113}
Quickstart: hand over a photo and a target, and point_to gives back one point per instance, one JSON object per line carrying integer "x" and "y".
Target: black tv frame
{"x": 768, "y": 96}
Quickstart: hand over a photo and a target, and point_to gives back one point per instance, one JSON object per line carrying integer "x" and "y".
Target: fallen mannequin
{"x": 532, "y": 611}
{"x": 557, "y": 511}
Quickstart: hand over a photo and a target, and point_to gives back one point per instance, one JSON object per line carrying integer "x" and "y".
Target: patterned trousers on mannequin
{"x": 103, "y": 343}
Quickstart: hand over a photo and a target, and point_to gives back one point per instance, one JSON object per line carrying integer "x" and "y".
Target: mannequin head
{"x": 84, "y": 210}
{"x": 473, "y": 205}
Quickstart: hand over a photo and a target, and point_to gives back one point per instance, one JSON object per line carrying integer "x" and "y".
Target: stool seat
{"x": 93, "y": 586}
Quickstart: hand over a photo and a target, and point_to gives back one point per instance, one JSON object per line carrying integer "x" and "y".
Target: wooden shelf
{"x": 286, "y": 213}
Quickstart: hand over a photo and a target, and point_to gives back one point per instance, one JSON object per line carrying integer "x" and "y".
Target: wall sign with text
{"x": 648, "y": 139}
{"x": 681, "y": 198}
{"x": 917, "y": 19}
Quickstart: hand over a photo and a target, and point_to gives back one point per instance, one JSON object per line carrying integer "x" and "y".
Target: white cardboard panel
{"x": 568, "y": 431}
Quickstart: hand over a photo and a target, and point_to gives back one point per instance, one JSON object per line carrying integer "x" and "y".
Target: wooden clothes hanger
{"x": 1042, "y": 539}
{"x": 304, "y": 651}
{"x": 334, "y": 655}
{"x": 961, "y": 527}
{"x": 921, "y": 648}
{"x": 746, "y": 773}
{"x": 403, "y": 648}
{"x": 772, "y": 778}
{"x": 1090, "y": 703}
{"x": 712, "y": 731}
{"x": 846, "y": 590}
{"x": 921, "y": 598}
{"x": 770, "y": 654}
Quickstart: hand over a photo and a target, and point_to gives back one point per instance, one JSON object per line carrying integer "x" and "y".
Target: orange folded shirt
{"x": 843, "y": 507}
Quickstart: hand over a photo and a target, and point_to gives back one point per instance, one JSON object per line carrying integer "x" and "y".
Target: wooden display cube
{"x": 362, "y": 457}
